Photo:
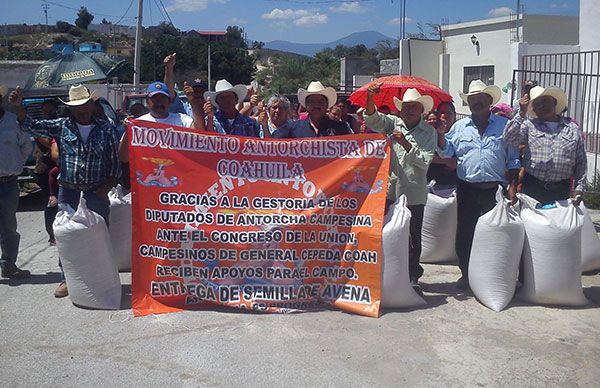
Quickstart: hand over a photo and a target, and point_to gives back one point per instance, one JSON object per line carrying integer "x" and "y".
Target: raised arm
{"x": 197, "y": 110}
{"x": 169, "y": 80}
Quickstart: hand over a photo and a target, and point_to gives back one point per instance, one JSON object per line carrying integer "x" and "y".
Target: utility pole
{"x": 518, "y": 17}
{"x": 209, "y": 89}
{"x": 45, "y": 7}
{"x": 138, "y": 47}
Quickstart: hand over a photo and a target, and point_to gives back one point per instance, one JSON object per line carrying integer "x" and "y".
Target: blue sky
{"x": 305, "y": 21}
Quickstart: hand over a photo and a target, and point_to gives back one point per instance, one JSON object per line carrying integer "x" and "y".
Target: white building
{"x": 490, "y": 49}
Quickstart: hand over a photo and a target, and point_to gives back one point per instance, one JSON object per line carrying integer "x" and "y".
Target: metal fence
{"x": 578, "y": 74}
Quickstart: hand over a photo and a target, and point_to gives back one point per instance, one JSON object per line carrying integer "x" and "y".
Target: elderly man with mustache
{"x": 483, "y": 158}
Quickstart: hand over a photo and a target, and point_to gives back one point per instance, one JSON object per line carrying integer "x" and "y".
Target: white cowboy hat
{"x": 3, "y": 90}
{"x": 223, "y": 86}
{"x": 413, "y": 95}
{"x": 477, "y": 86}
{"x": 316, "y": 87}
{"x": 552, "y": 91}
{"x": 79, "y": 95}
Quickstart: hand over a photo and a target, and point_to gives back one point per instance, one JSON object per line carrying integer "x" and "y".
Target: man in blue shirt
{"x": 316, "y": 99}
{"x": 484, "y": 161}
{"x": 227, "y": 119}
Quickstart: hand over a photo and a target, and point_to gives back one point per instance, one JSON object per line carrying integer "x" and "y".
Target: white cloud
{"x": 500, "y": 11}
{"x": 349, "y": 7}
{"x": 190, "y": 5}
{"x": 396, "y": 21}
{"x": 556, "y": 5}
{"x": 312, "y": 20}
{"x": 300, "y": 17}
{"x": 285, "y": 14}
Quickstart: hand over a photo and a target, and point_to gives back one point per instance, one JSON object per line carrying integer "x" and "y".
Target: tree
{"x": 63, "y": 26}
{"x": 258, "y": 45}
{"x": 84, "y": 18}
{"x": 104, "y": 21}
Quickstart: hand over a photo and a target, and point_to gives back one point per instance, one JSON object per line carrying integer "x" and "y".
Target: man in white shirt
{"x": 158, "y": 99}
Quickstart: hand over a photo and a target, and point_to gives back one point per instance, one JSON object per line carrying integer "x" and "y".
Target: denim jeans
{"x": 9, "y": 238}
{"x": 93, "y": 202}
{"x": 100, "y": 205}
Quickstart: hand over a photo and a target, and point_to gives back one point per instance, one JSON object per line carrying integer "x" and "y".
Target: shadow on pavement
{"x": 47, "y": 278}
{"x": 32, "y": 202}
{"x": 125, "y": 297}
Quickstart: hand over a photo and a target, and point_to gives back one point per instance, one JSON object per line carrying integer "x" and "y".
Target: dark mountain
{"x": 368, "y": 38}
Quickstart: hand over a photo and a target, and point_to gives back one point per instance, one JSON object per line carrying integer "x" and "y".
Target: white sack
{"x": 590, "y": 244}
{"x": 86, "y": 256}
{"x": 495, "y": 254}
{"x": 439, "y": 227}
{"x": 552, "y": 253}
{"x": 396, "y": 290}
{"x": 120, "y": 227}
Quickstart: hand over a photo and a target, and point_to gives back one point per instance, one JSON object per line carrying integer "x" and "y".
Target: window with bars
{"x": 484, "y": 73}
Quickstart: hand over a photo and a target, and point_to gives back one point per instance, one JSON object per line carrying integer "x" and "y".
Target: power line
{"x": 126, "y": 11}
{"x": 77, "y": 9}
{"x": 166, "y": 13}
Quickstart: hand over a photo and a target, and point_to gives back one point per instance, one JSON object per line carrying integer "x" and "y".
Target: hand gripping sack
{"x": 396, "y": 291}
{"x": 552, "y": 253}
{"x": 120, "y": 227}
{"x": 439, "y": 227}
{"x": 87, "y": 259}
{"x": 590, "y": 244}
{"x": 495, "y": 254}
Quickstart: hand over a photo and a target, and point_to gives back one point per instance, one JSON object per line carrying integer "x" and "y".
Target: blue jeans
{"x": 93, "y": 202}
{"x": 9, "y": 238}
{"x": 100, "y": 205}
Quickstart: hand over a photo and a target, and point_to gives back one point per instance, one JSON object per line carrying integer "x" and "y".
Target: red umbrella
{"x": 395, "y": 86}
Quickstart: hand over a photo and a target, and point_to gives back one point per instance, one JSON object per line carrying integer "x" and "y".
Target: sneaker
{"x": 415, "y": 285}
{"x": 61, "y": 291}
{"x": 463, "y": 283}
{"x": 16, "y": 273}
{"x": 52, "y": 242}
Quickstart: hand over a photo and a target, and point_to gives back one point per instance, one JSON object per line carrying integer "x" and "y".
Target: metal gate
{"x": 578, "y": 74}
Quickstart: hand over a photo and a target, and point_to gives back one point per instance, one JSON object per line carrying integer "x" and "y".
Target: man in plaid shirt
{"x": 554, "y": 146}
{"x": 88, "y": 145}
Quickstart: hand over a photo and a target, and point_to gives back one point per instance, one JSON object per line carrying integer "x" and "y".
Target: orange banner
{"x": 266, "y": 225}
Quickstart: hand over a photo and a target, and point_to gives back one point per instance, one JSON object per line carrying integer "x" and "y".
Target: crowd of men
{"x": 537, "y": 151}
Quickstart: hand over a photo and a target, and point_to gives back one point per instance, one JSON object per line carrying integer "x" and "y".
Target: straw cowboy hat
{"x": 413, "y": 95}
{"x": 79, "y": 95}
{"x": 552, "y": 91}
{"x": 3, "y": 90}
{"x": 477, "y": 86}
{"x": 316, "y": 87}
{"x": 223, "y": 86}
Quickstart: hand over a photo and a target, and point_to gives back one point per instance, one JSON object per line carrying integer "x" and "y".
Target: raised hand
{"x": 374, "y": 87}
{"x": 208, "y": 108}
{"x": 15, "y": 98}
{"x": 170, "y": 60}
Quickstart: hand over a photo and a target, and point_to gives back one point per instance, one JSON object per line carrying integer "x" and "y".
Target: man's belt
{"x": 79, "y": 187}
{"x": 549, "y": 186}
{"x": 7, "y": 178}
{"x": 481, "y": 185}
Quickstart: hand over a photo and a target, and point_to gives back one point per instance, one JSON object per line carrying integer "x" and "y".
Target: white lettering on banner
{"x": 71, "y": 75}
{"x": 169, "y": 138}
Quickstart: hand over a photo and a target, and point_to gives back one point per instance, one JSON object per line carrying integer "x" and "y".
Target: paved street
{"x": 453, "y": 341}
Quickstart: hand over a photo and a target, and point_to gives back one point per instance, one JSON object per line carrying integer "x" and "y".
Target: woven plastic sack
{"x": 495, "y": 254}
{"x": 590, "y": 244}
{"x": 439, "y": 227}
{"x": 552, "y": 253}
{"x": 86, "y": 256}
{"x": 396, "y": 291}
{"x": 120, "y": 227}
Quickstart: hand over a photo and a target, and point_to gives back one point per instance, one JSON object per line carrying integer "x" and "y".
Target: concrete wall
{"x": 546, "y": 29}
{"x": 589, "y": 17}
{"x": 389, "y": 66}
{"x": 14, "y": 73}
{"x": 420, "y": 58}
